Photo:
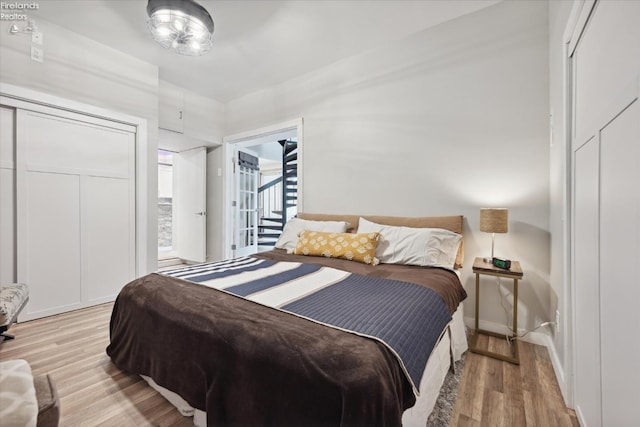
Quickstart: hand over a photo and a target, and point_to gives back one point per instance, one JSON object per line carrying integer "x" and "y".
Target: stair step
{"x": 290, "y": 146}
{"x": 270, "y": 227}
{"x": 291, "y": 157}
{"x": 267, "y": 243}
{"x": 289, "y": 205}
{"x": 269, "y": 235}
{"x": 271, "y": 219}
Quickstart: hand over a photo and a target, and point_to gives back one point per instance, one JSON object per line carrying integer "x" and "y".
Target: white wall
{"x": 449, "y": 120}
{"x": 81, "y": 69}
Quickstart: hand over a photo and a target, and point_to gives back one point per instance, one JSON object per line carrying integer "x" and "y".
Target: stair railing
{"x": 269, "y": 201}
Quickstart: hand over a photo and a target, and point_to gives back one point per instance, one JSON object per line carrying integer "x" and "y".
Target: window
{"x": 165, "y": 205}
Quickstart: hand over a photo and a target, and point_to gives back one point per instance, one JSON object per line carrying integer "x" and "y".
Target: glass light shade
{"x": 180, "y": 25}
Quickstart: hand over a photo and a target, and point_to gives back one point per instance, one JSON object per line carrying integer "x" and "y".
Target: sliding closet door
{"x": 7, "y": 195}
{"x": 585, "y": 276}
{"x": 606, "y": 218}
{"x": 52, "y": 245}
{"x": 76, "y": 211}
{"x": 619, "y": 265}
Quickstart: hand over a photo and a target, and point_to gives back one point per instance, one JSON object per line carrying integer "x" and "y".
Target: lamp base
{"x": 488, "y": 260}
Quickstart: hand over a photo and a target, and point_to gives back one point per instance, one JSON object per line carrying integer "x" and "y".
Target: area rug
{"x": 441, "y": 414}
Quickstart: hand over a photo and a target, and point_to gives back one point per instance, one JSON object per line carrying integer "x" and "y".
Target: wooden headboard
{"x": 451, "y": 223}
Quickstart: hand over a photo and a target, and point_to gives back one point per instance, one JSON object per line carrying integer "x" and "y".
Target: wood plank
{"x": 514, "y": 400}
{"x": 493, "y": 409}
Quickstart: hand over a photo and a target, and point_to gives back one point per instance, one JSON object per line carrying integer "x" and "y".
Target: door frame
{"x": 228, "y": 182}
{"x": 20, "y": 97}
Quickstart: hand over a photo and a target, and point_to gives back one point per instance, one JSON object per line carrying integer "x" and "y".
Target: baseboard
{"x": 168, "y": 262}
{"x": 534, "y": 337}
{"x": 559, "y": 370}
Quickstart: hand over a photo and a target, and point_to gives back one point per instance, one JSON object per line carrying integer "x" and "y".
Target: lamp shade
{"x": 180, "y": 25}
{"x": 494, "y": 220}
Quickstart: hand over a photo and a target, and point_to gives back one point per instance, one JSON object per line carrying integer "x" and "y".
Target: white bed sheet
{"x": 452, "y": 344}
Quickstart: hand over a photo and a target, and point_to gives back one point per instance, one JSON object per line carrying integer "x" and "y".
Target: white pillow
{"x": 434, "y": 247}
{"x": 289, "y": 237}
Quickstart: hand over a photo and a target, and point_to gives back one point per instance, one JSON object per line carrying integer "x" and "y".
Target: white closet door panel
{"x": 608, "y": 55}
{"x": 65, "y": 145}
{"x": 587, "y": 303}
{"x": 7, "y": 138}
{"x": 619, "y": 271}
{"x": 7, "y": 226}
{"x": 7, "y": 196}
{"x": 53, "y": 255}
{"x": 109, "y": 245}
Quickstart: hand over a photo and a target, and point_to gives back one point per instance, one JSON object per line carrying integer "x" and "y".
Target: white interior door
{"x": 190, "y": 168}
{"x": 246, "y": 203}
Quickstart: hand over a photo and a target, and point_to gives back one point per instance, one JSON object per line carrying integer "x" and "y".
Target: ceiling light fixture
{"x": 180, "y": 25}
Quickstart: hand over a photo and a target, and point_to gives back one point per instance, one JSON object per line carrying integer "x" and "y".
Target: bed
{"x": 287, "y": 338}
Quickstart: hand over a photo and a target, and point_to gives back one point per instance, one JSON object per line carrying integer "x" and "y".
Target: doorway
{"x": 257, "y": 143}
{"x": 166, "y": 212}
{"x": 181, "y": 206}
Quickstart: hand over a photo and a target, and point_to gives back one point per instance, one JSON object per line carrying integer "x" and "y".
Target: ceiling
{"x": 257, "y": 44}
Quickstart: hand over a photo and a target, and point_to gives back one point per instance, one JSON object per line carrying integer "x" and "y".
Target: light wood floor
{"x": 93, "y": 392}
{"x": 494, "y": 393}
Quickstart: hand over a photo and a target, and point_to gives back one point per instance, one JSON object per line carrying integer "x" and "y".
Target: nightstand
{"x": 515, "y": 273}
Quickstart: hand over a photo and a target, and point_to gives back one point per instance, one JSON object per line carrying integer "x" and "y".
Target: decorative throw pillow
{"x": 353, "y": 247}
{"x": 289, "y": 237}
{"x": 435, "y": 247}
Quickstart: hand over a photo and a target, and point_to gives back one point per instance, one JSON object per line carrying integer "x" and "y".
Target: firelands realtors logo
{"x": 13, "y": 11}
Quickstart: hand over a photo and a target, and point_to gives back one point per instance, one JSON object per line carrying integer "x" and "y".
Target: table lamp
{"x": 494, "y": 220}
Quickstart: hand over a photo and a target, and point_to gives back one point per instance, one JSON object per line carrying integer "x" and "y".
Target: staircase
{"x": 285, "y": 190}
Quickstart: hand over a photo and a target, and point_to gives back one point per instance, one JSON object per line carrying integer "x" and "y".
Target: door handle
{"x": 201, "y": 213}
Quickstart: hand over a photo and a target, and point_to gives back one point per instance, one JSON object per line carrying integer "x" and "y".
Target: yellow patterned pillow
{"x": 354, "y": 247}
